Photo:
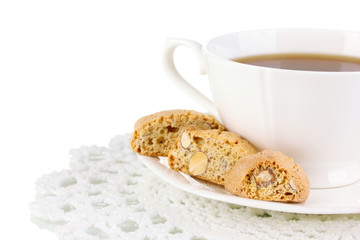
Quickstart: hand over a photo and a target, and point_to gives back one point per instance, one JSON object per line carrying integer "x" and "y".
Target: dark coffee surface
{"x": 308, "y": 62}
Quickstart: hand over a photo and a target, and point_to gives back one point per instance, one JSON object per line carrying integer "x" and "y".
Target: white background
{"x": 78, "y": 73}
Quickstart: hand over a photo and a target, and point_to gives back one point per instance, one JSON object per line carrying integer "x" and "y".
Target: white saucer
{"x": 343, "y": 200}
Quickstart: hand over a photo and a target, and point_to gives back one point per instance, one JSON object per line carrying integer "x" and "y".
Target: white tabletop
{"x": 77, "y": 73}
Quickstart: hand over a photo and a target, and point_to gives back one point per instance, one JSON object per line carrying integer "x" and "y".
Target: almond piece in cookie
{"x": 198, "y": 163}
{"x": 156, "y": 133}
{"x": 208, "y": 154}
{"x": 268, "y": 175}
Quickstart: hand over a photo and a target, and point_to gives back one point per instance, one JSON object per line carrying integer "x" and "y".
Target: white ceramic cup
{"x": 311, "y": 116}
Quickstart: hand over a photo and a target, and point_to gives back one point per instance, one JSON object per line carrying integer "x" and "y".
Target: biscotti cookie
{"x": 268, "y": 175}
{"x": 156, "y": 133}
{"x": 208, "y": 154}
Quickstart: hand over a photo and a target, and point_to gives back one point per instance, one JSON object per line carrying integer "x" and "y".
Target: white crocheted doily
{"x": 108, "y": 194}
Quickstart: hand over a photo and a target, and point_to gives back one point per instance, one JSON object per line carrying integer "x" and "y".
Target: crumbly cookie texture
{"x": 268, "y": 175}
{"x": 156, "y": 133}
{"x": 208, "y": 154}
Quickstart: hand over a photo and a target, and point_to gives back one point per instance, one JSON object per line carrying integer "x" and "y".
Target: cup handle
{"x": 175, "y": 77}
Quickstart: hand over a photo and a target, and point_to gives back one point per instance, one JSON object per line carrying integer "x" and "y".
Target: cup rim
{"x": 229, "y": 61}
